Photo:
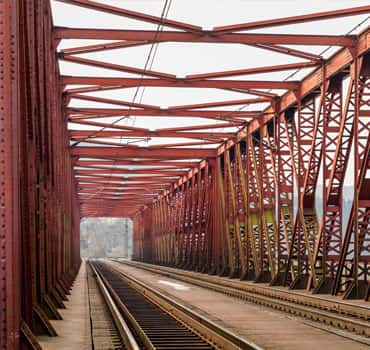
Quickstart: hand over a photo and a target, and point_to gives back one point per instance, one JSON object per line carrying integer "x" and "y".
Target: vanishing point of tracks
{"x": 147, "y": 319}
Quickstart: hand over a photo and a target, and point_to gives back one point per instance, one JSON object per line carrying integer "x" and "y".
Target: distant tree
{"x": 106, "y": 237}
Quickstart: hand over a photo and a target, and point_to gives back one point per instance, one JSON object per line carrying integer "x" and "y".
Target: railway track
{"x": 104, "y": 333}
{"x": 340, "y": 315}
{"x": 148, "y": 319}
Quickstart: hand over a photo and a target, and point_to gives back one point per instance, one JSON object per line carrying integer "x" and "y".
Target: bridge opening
{"x": 106, "y": 238}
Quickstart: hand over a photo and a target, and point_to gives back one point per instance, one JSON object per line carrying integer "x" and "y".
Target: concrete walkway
{"x": 74, "y": 332}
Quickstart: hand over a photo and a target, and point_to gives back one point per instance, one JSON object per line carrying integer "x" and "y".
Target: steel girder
{"x": 10, "y": 234}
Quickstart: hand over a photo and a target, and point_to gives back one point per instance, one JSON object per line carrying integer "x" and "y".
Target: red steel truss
{"x": 232, "y": 192}
{"x": 240, "y": 213}
{"x": 39, "y": 239}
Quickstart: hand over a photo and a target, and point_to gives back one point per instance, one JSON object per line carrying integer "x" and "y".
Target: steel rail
{"x": 124, "y": 330}
{"x": 104, "y": 332}
{"x": 212, "y": 333}
{"x": 353, "y": 318}
{"x": 127, "y": 314}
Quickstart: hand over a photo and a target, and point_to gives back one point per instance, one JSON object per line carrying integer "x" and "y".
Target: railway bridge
{"x": 241, "y": 153}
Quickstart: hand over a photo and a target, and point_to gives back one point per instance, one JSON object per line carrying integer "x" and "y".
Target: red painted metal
{"x": 10, "y": 235}
{"x": 295, "y": 19}
{"x": 236, "y": 196}
{"x": 39, "y": 238}
{"x": 131, "y": 14}
{"x": 203, "y": 83}
{"x": 204, "y": 37}
{"x": 76, "y": 114}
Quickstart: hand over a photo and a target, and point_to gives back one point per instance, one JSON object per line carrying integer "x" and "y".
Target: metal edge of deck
{"x": 182, "y": 312}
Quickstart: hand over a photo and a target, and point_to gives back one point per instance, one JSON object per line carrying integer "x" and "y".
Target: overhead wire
{"x": 153, "y": 46}
{"x": 148, "y": 63}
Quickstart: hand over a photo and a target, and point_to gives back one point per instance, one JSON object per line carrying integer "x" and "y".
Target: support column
{"x": 10, "y": 284}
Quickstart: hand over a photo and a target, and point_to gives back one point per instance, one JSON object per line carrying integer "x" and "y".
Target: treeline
{"x": 106, "y": 237}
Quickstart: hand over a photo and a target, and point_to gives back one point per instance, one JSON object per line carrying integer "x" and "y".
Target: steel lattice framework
{"x": 235, "y": 195}
{"x": 233, "y": 212}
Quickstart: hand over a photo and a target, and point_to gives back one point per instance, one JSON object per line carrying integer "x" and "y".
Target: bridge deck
{"x": 304, "y": 296}
{"x": 265, "y": 327}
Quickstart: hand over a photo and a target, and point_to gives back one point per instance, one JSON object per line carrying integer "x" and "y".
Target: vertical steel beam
{"x": 352, "y": 275}
{"x": 10, "y": 284}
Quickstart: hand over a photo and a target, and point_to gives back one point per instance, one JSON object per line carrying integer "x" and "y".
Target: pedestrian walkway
{"x": 74, "y": 332}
